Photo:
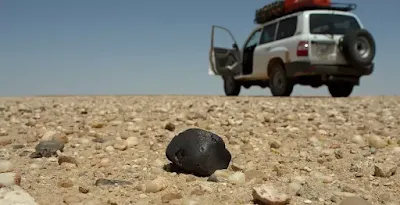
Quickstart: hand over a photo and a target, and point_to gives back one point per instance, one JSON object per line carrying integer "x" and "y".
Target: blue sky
{"x": 150, "y": 47}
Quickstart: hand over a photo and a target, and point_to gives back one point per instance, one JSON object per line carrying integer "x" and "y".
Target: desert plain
{"x": 316, "y": 150}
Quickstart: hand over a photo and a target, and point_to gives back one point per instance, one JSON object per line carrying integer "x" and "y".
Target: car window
{"x": 268, "y": 33}
{"x": 332, "y": 24}
{"x": 254, "y": 39}
{"x": 287, "y": 28}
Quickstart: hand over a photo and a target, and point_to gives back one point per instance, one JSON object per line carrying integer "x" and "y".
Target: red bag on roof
{"x": 291, "y": 5}
{"x": 282, "y": 7}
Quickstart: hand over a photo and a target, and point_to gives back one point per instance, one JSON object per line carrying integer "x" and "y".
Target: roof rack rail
{"x": 344, "y": 6}
{"x": 334, "y": 7}
{"x": 276, "y": 10}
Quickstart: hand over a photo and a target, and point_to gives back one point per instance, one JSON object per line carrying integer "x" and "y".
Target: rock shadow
{"x": 172, "y": 168}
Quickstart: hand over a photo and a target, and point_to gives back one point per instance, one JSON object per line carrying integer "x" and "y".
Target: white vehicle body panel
{"x": 323, "y": 48}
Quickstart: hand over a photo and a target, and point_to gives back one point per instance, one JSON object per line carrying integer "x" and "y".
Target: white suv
{"x": 311, "y": 47}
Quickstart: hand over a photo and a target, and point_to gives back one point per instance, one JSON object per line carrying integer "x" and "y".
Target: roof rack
{"x": 277, "y": 9}
{"x": 334, "y": 7}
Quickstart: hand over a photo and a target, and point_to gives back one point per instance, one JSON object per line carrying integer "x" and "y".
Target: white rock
{"x": 237, "y": 178}
{"x": 307, "y": 201}
{"x": 104, "y": 162}
{"x": 52, "y": 159}
{"x": 377, "y": 142}
{"x": 120, "y": 146}
{"x": 9, "y": 179}
{"x": 156, "y": 185}
{"x": 15, "y": 195}
{"x": 294, "y": 188}
{"x": 6, "y": 166}
{"x": 269, "y": 195}
{"x": 4, "y": 154}
{"x": 116, "y": 123}
{"x": 47, "y": 136}
{"x": 358, "y": 139}
{"x": 109, "y": 148}
{"x": 84, "y": 141}
{"x": 131, "y": 142}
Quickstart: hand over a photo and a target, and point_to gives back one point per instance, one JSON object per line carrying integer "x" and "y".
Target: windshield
{"x": 332, "y": 24}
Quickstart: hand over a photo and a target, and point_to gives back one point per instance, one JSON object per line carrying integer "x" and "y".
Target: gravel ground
{"x": 315, "y": 150}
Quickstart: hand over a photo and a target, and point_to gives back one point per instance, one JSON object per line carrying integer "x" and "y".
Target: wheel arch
{"x": 274, "y": 61}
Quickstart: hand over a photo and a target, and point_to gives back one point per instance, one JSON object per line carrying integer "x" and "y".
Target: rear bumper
{"x": 299, "y": 68}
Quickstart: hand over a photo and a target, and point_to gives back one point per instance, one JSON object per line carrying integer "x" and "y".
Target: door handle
{"x": 268, "y": 48}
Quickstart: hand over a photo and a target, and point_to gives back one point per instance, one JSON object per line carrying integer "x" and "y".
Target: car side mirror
{"x": 235, "y": 46}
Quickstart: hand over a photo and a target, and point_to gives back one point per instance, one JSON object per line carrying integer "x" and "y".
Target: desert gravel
{"x": 308, "y": 150}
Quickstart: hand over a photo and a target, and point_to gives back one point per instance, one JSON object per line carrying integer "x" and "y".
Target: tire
{"x": 231, "y": 86}
{"x": 279, "y": 83}
{"x": 358, "y": 47}
{"x": 342, "y": 89}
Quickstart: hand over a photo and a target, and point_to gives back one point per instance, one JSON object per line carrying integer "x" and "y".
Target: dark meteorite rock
{"x": 198, "y": 152}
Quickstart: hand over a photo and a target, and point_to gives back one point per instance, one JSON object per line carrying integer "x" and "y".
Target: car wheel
{"x": 231, "y": 86}
{"x": 358, "y": 48}
{"x": 343, "y": 89}
{"x": 279, "y": 84}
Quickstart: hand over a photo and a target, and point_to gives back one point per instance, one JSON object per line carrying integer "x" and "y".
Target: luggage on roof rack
{"x": 269, "y": 12}
{"x": 292, "y": 5}
{"x": 284, "y": 7}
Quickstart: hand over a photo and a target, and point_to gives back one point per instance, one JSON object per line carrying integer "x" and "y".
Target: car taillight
{"x": 302, "y": 48}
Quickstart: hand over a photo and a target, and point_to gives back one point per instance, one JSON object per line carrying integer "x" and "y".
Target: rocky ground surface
{"x": 111, "y": 150}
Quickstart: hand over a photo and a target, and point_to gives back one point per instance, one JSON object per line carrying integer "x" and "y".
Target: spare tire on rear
{"x": 358, "y": 47}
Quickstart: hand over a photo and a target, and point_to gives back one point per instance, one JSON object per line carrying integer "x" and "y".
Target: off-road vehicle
{"x": 312, "y": 45}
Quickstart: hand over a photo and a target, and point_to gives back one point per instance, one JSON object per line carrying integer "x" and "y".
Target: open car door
{"x": 224, "y": 61}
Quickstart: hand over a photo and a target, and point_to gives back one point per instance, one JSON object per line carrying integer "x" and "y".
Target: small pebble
{"x": 9, "y": 179}
{"x": 83, "y": 190}
{"x": 156, "y": 185}
{"x": 307, "y": 201}
{"x": 168, "y": 197}
{"x": 384, "y": 170}
{"x": 237, "y": 167}
{"x": 120, "y": 146}
{"x": 65, "y": 183}
{"x": 237, "y": 178}
{"x": 267, "y": 194}
{"x": 109, "y": 149}
{"x": 275, "y": 144}
{"x": 105, "y": 182}
{"x": 104, "y": 162}
{"x": 131, "y": 142}
{"x": 6, "y": 166}
{"x": 169, "y": 126}
{"x": 376, "y": 142}
{"x": 84, "y": 141}
{"x": 358, "y": 139}
{"x": 294, "y": 188}
{"x": 71, "y": 199}
{"x": 67, "y": 159}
